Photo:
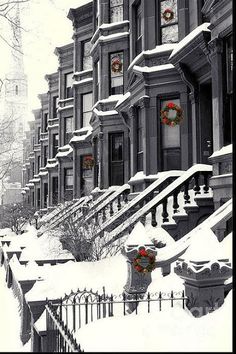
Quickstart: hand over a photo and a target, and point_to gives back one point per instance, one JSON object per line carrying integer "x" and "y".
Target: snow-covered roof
{"x": 83, "y": 81}
{"x": 105, "y": 113}
{"x": 202, "y": 28}
{"x": 109, "y": 38}
{"x": 112, "y": 98}
{"x": 122, "y": 99}
{"x": 86, "y": 132}
{"x": 64, "y": 108}
{"x": 228, "y": 149}
{"x": 158, "y": 49}
{"x": 64, "y": 151}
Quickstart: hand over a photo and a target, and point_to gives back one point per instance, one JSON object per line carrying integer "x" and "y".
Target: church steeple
{"x": 17, "y": 62}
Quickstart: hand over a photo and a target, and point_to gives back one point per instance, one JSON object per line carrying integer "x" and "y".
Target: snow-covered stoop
{"x": 72, "y": 209}
{"x": 177, "y": 201}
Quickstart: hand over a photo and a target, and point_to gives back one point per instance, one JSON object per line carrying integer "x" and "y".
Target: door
{"x": 116, "y": 159}
{"x": 205, "y": 117}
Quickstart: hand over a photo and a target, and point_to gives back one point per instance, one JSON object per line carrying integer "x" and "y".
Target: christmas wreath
{"x": 168, "y": 15}
{"x": 116, "y": 65}
{"x": 88, "y": 162}
{"x": 145, "y": 256}
{"x": 171, "y": 121}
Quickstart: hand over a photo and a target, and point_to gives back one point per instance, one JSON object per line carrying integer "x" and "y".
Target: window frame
{"x": 68, "y": 90}
{"x": 82, "y": 107}
{"x": 161, "y": 26}
{"x": 54, "y": 106}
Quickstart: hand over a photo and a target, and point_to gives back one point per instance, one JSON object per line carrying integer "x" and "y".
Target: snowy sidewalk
{"x": 9, "y": 319}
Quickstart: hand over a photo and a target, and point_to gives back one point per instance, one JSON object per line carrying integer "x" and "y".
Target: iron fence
{"x": 81, "y": 307}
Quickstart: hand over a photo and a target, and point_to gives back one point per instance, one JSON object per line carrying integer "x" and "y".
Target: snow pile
{"x": 110, "y": 273}
{"x": 205, "y": 246}
{"x": 48, "y": 246}
{"x": 172, "y": 329}
{"x": 9, "y": 320}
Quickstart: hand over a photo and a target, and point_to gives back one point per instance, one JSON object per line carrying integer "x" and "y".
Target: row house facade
{"x": 102, "y": 119}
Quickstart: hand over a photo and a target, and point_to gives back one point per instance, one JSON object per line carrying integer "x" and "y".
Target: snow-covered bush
{"x": 16, "y": 216}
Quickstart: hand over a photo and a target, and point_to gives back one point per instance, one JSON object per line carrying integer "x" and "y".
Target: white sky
{"x": 46, "y": 27}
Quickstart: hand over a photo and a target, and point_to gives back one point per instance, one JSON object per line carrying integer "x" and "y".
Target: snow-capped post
{"x": 204, "y": 276}
{"x": 140, "y": 253}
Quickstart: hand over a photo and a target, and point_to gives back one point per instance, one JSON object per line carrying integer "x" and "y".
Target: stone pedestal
{"x": 204, "y": 284}
{"x": 137, "y": 283}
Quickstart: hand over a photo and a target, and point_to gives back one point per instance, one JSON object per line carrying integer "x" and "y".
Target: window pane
{"x": 86, "y": 119}
{"x": 69, "y": 178}
{"x": 117, "y": 148}
{"x": 87, "y": 102}
{"x": 68, "y": 125}
{"x": 169, "y": 34}
{"x": 68, "y": 80}
{"x": 170, "y": 135}
{"x": 169, "y": 13}
{"x": 116, "y": 14}
{"x": 87, "y": 59}
{"x": 116, "y": 64}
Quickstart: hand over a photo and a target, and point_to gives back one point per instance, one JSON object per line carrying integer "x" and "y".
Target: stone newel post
{"x": 137, "y": 282}
{"x": 204, "y": 284}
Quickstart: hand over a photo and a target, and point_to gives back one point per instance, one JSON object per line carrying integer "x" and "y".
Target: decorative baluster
{"x": 153, "y": 212}
{"x": 104, "y": 214}
{"x": 196, "y": 187}
{"x": 206, "y": 182}
{"x": 175, "y": 201}
{"x": 125, "y": 197}
{"x": 111, "y": 209}
{"x": 186, "y": 194}
{"x": 118, "y": 203}
{"x": 143, "y": 219}
{"x": 165, "y": 212}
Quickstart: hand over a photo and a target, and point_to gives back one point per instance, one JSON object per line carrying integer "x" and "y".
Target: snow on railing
{"x": 172, "y": 190}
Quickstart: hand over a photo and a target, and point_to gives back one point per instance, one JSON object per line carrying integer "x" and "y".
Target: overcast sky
{"x": 46, "y": 26}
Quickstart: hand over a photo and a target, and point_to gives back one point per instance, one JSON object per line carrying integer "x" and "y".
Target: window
{"x": 45, "y": 189}
{"x": 86, "y": 57}
{"x": 55, "y": 139}
{"x": 45, "y": 155}
{"x": 170, "y": 138}
{"x": 54, "y": 106}
{"x": 228, "y": 90}
{"x": 169, "y": 21}
{"x": 139, "y": 30}
{"x": 69, "y": 178}
{"x": 38, "y": 197}
{"x": 116, "y": 73}
{"x": 39, "y": 132}
{"x": 87, "y": 103}
{"x": 45, "y": 121}
{"x": 116, "y": 10}
{"x": 97, "y": 81}
{"x": 33, "y": 170}
{"x": 38, "y": 164}
{"x": 68, "y": 129}
{"x": 139, "y": 141}
{"x": 98, "y": 14}
{"x": 54, "y": 190}
{"x": 68, "y": 85}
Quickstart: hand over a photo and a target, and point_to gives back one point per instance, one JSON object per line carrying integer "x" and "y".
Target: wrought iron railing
{"x": 79, "y": 308}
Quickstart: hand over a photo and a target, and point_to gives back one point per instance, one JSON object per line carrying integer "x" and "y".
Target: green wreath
{"x": 142, "y": 253}
{"x": 171, "y": 121}
{"x": 168, "y": 15}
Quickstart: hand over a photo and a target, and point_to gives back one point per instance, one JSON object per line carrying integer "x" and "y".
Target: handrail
{"x": 98, "y": 201}
{"x": 141, "y": 197}
{"x": 124, "y": 188}
{"x": 161, "y": 198}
